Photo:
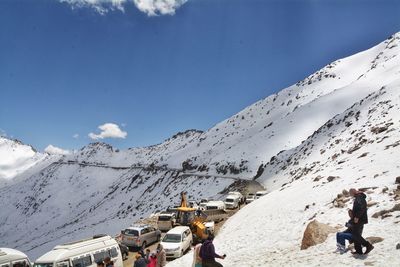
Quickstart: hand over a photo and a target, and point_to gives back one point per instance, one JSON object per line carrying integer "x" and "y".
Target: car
{"x": 250, "y": 198}
{"x": 166, "y": 221}
{"x": 260, "y": 194}
{"x": 177, "y": 241}
{"x": 140, "y": 236}
{"x": 124, "y": 251}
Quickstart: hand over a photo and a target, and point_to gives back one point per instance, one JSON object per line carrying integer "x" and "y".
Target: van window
{"x": 100, "y": 256}
{"x": 113, "y": 253}
{"x": 164, "y": 218}
{"x": 20, "y": 263}
{"x": 43, "y": 265}
{"x": 131, "y": 232}
{"x": 229, "y": 200}
{"x": 211, "y": 207}
{"x": 62, "y": 264}
{"x": 82, "y": 262}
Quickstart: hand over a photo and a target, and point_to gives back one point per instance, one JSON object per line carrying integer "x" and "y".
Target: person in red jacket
{"x": 208, "y": 255}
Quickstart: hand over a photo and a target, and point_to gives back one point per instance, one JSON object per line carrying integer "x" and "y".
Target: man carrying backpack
{"x": 208, "y": 255}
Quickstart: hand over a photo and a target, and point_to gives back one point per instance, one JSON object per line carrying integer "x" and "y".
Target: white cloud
{"x": 158, "y": 7}
{"x": 101, "y": 6}
{"x": 56, "y": 150}
{"x": 108, "y": 130}
{"x": 150, "y": 7}
{"x": 76, "y": 136}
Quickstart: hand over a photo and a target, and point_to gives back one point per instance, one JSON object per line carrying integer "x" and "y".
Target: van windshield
{"x": 164, "y": 218}
{"x": 129, "y": 232}
{"x": 172, "y": 238}
{"x": 43, "y": 265}
{"x": 229, "y": 200}
{"x": 212, "y": 207}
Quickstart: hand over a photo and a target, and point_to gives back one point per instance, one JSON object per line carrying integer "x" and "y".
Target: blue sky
{"x": 66, "y": 68}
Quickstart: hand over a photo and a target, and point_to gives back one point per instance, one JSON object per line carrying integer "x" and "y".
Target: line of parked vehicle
{"x": 177, "y": 240}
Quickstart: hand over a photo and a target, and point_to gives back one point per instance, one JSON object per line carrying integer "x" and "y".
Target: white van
{"x": 232, "y": 201}
{"x": 215, "y": 205}
{"x": 166, "y": 221}
{"x": 260, "y": 194}
{"x": 236, "y": 193}
{"x": 83, "y": 253}
{"x": 13, "y": 258}
{"x": 177, "y": 241}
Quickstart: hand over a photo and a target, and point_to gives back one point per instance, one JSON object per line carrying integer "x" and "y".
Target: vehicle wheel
{"x": 158, "y": 238}
{"x": 144, "y": 244}
{"x": 125, "y": 256}
{"x": 181, "y": 254}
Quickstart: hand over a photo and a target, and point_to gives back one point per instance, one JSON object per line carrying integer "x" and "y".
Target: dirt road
{"x": 132, "y": 254}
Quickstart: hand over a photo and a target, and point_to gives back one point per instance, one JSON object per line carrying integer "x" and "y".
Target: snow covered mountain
{"x": 291, "y": 142}
{"x": 356, "y": 148}
{"x": 15, "y": 157}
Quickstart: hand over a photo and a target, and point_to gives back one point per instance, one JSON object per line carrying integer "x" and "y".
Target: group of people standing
{"x": 151, "y": 259}
{"x": 355, "y": 226}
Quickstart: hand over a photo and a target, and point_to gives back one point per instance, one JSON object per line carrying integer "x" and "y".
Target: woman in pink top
{"x": 152, "y": 260}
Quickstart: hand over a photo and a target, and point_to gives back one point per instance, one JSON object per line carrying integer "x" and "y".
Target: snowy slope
{"x": 357, "y": 148}
{"x": 102, "y": 189}
{"x": 15, "y": 157}
{"x": 241, "y": 143}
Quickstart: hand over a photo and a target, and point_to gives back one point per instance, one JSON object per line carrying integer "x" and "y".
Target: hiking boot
{"x": 340, "y": 248}
{"x": 369, "y": 248}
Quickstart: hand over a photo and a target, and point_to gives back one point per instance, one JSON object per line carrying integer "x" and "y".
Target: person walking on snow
{"x": 208, "y": 255}
{"x": 360, "y": 218}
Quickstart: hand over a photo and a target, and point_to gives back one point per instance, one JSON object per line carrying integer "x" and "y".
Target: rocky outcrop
{"x": 316, "y": 233}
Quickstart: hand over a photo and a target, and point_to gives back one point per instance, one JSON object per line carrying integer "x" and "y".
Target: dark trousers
{"x": 210, "y": 263}
{"x": 359, "y": 241}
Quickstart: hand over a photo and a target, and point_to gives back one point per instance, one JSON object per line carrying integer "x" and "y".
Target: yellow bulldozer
{"x": 194, "y": 218}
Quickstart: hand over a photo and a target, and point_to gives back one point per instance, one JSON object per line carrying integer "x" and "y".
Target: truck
{"x": 194, "y": 218}
{"x": 215, "y": 205}
{"x": 238, "y": 194}
{"x": 232, "y": 201}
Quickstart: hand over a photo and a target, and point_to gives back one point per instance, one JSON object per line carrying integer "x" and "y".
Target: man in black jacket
{"x": 360, "y": 218}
